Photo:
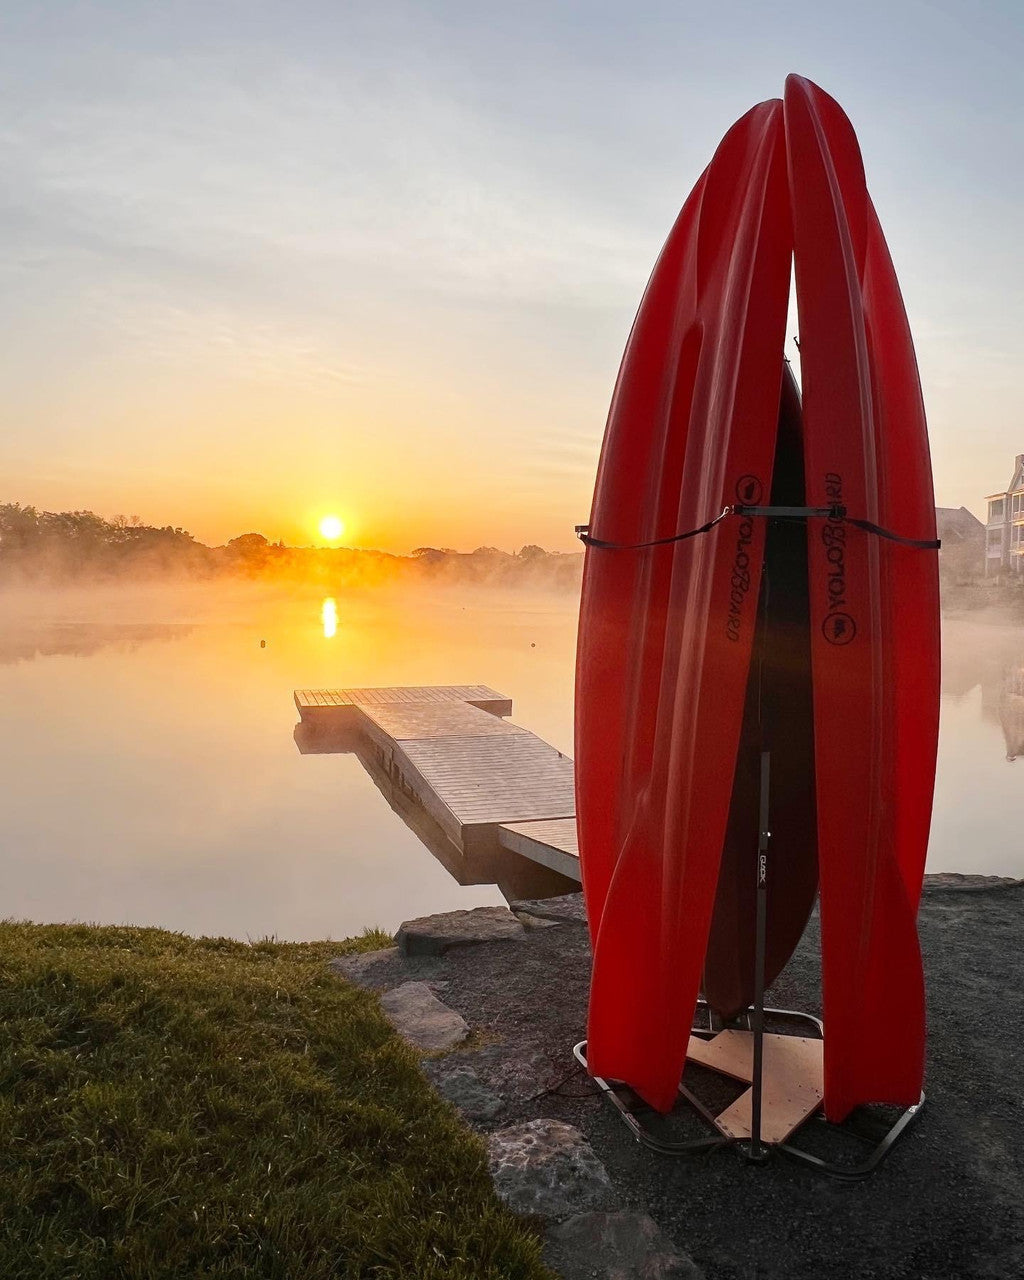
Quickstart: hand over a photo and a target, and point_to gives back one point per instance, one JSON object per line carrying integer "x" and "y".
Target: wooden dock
{"x": 486, "y": 782}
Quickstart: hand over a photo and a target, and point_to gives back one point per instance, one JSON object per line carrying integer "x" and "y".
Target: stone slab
{"x": 547, "y": 1168}
{"x": 536, "y": 922}
{"x": 465, "y": 1090}
{"x": 421, "y": 1019}
{"x": 566, "y": 909}
{"x": 956, "y": 881}
{"x": 615, "y": 1246}
{"x": 434, "y": 935}
{"x": 381, "y": 970}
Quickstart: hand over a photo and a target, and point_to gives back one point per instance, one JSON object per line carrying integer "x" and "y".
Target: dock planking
{"x": 316, "y": 703}
{"x": 418, "y": 722}
{"x": 552, "y": 842}
{"x": 485, "y": 781}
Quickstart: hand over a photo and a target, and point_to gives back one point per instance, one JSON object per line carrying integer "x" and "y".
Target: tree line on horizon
{"x": 67, "y": 546}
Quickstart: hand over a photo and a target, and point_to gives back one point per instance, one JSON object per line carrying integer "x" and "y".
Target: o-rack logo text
{"x": 838, "y": 626}
{"x": 748, "y": 491}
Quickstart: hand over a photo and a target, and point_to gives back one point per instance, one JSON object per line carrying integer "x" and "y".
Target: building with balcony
{"x": 1004, "y": 530}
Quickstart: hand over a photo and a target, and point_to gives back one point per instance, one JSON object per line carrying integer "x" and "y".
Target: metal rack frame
{"x": 755, "y": 1149}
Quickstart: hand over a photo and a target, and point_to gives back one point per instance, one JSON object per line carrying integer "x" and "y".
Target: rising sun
{"x": 331, "y": 528}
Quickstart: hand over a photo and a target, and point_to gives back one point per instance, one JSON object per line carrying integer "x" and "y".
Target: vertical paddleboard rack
{"x": 795, "y": 1082}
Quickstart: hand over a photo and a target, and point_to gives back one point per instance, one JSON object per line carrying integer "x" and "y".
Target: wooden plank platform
{"x": 485, "y": 781}
{"x": 552, "y": 842}
{"x": 793, "y": 1080}
{"x": 420, "y": 722}
{"x": 314, "y": 702}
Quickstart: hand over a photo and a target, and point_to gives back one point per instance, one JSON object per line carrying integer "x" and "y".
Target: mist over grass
{"x": 79, "y": 547}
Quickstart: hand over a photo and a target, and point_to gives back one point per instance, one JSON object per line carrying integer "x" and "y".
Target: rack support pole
{"x": 757, "y": 1149}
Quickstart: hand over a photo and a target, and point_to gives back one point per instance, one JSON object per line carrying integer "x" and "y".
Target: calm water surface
{"x": 148, "y": 772}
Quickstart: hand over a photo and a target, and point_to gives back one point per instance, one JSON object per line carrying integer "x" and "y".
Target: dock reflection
{"x": 1011, "y": 710}
{"x": 516, "y": 877}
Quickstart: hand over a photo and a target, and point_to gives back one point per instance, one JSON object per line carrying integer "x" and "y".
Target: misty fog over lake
{"x": 150, "y": 775}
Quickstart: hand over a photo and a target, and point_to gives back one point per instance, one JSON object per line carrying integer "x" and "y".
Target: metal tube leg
{"x": 757, "y": 1150}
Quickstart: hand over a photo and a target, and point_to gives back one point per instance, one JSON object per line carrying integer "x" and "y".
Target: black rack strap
{"x": 583, "y": 533}
{"x": 836, "y": 513}
{"x": 919, "y": 544}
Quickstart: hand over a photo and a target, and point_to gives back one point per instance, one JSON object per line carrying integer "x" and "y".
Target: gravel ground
{"x": 948, "y": 1202}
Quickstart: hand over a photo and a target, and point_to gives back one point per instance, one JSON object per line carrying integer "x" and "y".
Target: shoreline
{"x": 505, "y": 1000}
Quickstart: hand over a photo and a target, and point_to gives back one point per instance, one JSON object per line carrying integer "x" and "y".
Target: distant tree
{"x": 430, "y": 556}
{"x": 249, "y": 552}
{"x": 247, "y": 542}
{"x": 532, "y": 552}
{"x": 84, "y": 527}
{"x": 19, "y": 526}
{"x": 56, "y": 545}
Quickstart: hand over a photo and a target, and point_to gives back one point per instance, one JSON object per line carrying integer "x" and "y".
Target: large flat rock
{"x": 615, "y": 1246}
{"x": 419, "y": 1017}
{"x": 434, "y": 935}
{"x": 462, "y": 1086}
{"x": 568, "y": 908}
{"x": 948, "y": 881}
{"x": 548, "y": 1168}
{"x": 381, "y": 970}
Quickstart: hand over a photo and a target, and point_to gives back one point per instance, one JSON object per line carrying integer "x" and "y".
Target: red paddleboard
{"x": 873, "y": 614}
{"x": 777, "y": 717}
{"x": 666, "y": 632}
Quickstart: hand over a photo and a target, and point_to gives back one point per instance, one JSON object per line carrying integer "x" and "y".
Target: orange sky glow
{"x": 340, "y": 262}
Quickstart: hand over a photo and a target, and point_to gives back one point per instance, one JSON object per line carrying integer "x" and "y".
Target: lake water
{"x": 149, "y": 774}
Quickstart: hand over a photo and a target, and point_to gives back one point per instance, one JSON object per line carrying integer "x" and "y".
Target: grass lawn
{"x": 172, "y": 1106}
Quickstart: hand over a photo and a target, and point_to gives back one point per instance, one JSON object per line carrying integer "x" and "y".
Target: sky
{"x": 261, "y": 262}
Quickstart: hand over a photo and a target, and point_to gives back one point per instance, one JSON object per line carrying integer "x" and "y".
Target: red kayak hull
{"x": 874, "y": 614}
{"x": 665, "y": 633}
{"x": 671, "y": 713}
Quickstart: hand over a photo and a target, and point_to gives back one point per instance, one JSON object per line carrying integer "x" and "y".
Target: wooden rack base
{"x": 791, "y": 1096}
{"x": 793, "y": 1082}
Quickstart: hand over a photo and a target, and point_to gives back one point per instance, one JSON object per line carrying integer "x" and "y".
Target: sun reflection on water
{"x": 329, "y": 617}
